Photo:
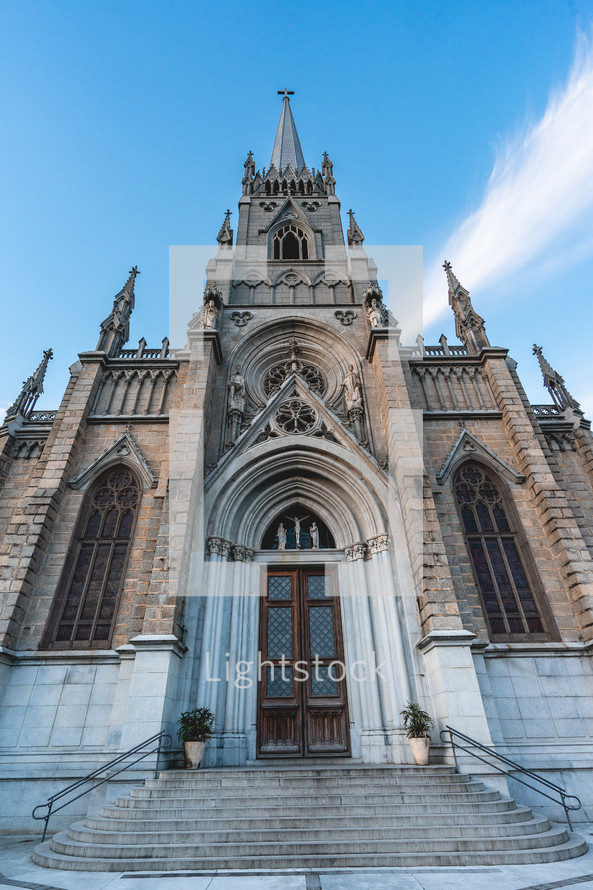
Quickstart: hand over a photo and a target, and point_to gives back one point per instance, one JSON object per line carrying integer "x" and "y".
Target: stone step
{"x": 111, "y": 819}
{"x": 345, "y": 798}
{"x": 574, "y": 846}
{"x": 95, "y": 831}
{"x": 265, "y": 772}
{"x": 316, "y": 818}
{"x": 276, "y": 790}
{"x": 300, "y": 783}
{"x": 146, "y": 808}
{"x": 113, "y": 848}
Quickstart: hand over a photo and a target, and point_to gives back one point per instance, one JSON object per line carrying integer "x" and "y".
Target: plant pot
{"x": 421, "y": 750}
{"x": 193, "y": 752}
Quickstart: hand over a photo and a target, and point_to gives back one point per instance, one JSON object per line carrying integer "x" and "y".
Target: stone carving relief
{"x": 277, "y": 374}
{"x": 236, "y": 405}
{"x": 346, "y": 317}
{"x": 354, "y": 406}
{"x": 296, "y": 417}
{"x": 241, "y": 318}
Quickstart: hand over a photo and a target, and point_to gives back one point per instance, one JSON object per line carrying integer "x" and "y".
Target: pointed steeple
{"x": 32, "y": 389}
{"x": 115, "y": 330}
{"x": 287, "y": 147}
{"x": 225, "y": 235}
{"x": 249, "y": 174}
{"x": 327, "y": 170}
{"x": 354, "y": 233}
{"x": 469, "y": 326}
{"x": 554, "y": 383}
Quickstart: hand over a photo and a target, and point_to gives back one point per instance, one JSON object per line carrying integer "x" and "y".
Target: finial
{"x": 225, "y": 235}
{"x": 327, "y": 170}
{"x": 31, "y": 390}
{"x": 294, "y": 351}
{"x": 354, "y": 233}
{"x": 469, "y": 326}
{"x": 287, "y": 151}
{"x": 247, "y": 181}
{"x": 554, "y": 383}
{"x": 115, "y": 329}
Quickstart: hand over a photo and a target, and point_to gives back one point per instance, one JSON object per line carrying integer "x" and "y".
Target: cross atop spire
{"x": 554, "y": 383}
{"x": 287, "y": 147}
{"x": 115, "y": 330}
{"x": 32, "y": 389}
{"x": 469, "y": 326}
{"x": 225, "y": 235}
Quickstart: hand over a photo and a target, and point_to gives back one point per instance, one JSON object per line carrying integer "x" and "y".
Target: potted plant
{"x": 417, "y": 724}
{"x": 195, "y": 728}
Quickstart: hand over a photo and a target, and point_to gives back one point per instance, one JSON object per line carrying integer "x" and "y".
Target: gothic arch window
{"x": 492, "y": 539}
{"x": 94, "y": 573}
{"x": 290, "y": 243}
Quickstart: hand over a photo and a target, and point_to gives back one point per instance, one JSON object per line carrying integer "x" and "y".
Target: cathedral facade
{"x": 298, "y": 520}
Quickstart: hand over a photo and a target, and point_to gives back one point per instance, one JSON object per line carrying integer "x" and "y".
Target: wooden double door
{"x": 302, "y": 702}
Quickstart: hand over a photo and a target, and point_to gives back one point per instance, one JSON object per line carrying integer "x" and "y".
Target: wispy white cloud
{"x": 541, "y": 186}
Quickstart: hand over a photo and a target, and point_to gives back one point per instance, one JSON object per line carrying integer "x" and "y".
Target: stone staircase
{"x": 321, "y": 816}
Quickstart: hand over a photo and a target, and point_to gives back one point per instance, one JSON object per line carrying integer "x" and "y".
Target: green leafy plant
{"x": 417, "y": 721}
{"x": 196, "y": 725}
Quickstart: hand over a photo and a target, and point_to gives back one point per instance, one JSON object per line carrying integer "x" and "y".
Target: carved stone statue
{"x": 210, "y": 315}
{"x": 376, "y": 314}
{"x": 281, "y": 536}
{"x": 297, "y": 529}
{"x": 237, "y": 391}
{"x": 352, "y": 389}
{"x": 314, "y": 534}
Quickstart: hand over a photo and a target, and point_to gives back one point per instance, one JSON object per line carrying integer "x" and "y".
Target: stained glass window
{"x": 95, "y": 572}
{"x": 507, "y": 597}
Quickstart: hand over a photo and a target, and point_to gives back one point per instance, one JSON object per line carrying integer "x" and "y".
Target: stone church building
{"x": 299, "y": 491}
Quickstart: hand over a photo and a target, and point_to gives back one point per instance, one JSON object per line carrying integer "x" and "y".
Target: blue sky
{"x": 126, "y": 125}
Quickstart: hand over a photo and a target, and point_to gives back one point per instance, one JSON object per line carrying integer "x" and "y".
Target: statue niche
{"x": 297, "y": 529}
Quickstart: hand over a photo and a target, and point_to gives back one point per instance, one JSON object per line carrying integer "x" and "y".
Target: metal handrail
{"x": 163, "y": 740}
{"x": 563, "y": 796}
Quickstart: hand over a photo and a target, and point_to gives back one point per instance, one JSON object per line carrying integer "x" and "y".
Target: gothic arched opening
{"x": 291, "y": 243}
{"x": 298, "y": 529}
{"x": 497, "y": 554}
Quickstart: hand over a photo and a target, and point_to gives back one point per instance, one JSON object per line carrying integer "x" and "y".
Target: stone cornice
{"x": 439, "y": 638}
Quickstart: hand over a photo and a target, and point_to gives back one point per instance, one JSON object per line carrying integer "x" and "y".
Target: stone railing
{"x": 42, "y": 416}
{"x": 547, "y": 411}
{"x": 146, "y": 352}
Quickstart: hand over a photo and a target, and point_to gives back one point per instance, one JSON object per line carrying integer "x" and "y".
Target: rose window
{"x": 296, "y": 416}
{"x": 276, "y": 376}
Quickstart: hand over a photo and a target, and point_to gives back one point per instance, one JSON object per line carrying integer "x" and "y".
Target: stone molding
{"x": 439, "y": 638}
{"x": 378, "y": 544}
{"x": 469, "y": 446}
{"x": 158, "y": 642}
{"x": 242, "y": 554}
{"x": 123, "y": 451}
{"x": 225, "y": 548}
{"x": 360, "y": 550}
{"x": 218, "y": 546}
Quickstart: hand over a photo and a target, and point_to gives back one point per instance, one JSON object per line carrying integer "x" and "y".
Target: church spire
{"x": 469, "y": 326}
{"x": 354, "y": 233}
{"x": 32, "y": 389}
{"x": 554, "y": 383}
{"x": 287, "y": 149}
{"x": 115, "y": 330}
{"x": 225, "y": 235}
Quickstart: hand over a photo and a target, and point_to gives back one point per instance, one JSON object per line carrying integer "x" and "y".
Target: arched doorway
{"x": 302, "y": 695}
